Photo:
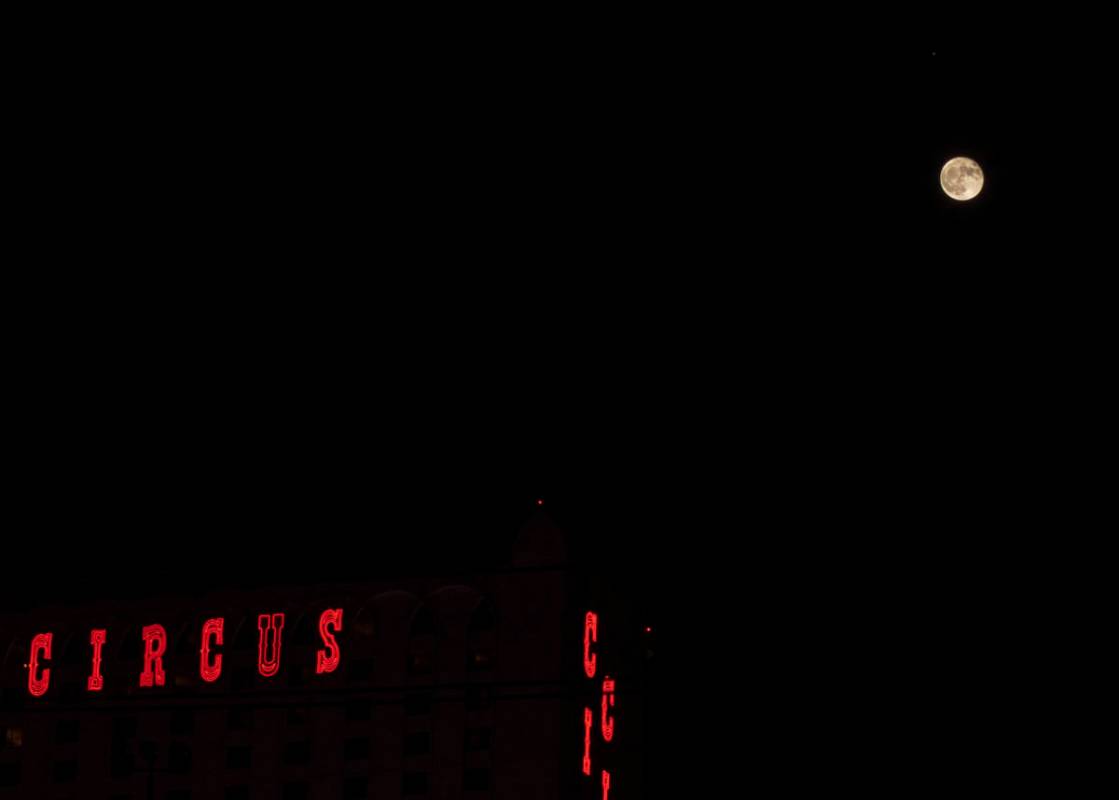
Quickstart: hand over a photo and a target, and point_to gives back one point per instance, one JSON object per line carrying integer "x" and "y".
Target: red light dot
{"x": 648, "y": 629}
{"x": 539, "y": 502}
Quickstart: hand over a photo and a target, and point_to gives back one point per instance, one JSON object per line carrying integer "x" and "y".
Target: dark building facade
{"x": 526, "y": 680}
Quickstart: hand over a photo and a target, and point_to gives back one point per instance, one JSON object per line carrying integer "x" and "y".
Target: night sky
{"x": 708, "y": 301}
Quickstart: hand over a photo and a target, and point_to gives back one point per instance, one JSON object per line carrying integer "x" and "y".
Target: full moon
{"x": 961, "y": 179}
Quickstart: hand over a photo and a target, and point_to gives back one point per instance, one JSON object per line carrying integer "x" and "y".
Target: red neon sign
{"x": 38, "y": 684}
{"x": 607, "y": 720}
{"x": 328, "y": 660}
{"x": 155, "y": 645}
{"x": 588, "y": 721}
{"x": 268, "y": 663}
{"x": 211, "y": 629}
{"x": 210, "y": 662}
{"x": 590, "y": 634}
{"x": 96, "y": 682}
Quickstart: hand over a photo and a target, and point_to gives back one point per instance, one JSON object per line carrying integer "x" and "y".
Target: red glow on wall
{"x": 588, "y": 721}
{"x": 155, "y": 645}
{"x": 38, "y": 684}
{"x": 328, "y": 660}
{"x": 268, "y": 663}
{"x": 607, "y": 720}
{"x": 212, "y": 629}
{"x": 605, "y": 785}
{"x": 590, "y": 634}
{"x": 96, "y": 682}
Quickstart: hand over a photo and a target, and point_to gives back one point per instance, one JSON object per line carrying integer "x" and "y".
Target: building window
{"x": 478, "y": 739}
{"x": 357, "y": 748}
{"x": 419, "y": 663}
{"x": 9, "y": 775}
{"x": 421, "y": 642}
{"x": 359, "y": 711}
{"x": 417, "y": 704}
{"x": 423, "y": 623}
{"x": 417, "y": 744}
{"x": 296, "y": 790}
{"x": 121, "y": 761}
{"x": 479, "y": 661}
{"x": 239, "y": 719}
{"x": 179, "y": 757}
{"x": 415, "y": 783}
{"x": 124, "y": 727}
{"x": 481, "y": 638}
{"x": 356, "y": 788}
{"x": 478, "y": 699}
{"x": 182, "y": 722}
{"x": 238, "y": 757}
{"x": 65, "y": 771}
{"x": 13, "y": 737}
{"x": 476, "y": 779}
{"x": 297, "y": 753}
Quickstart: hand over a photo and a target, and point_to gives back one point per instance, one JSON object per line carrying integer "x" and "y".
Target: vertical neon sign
{"x": 590, "y": 635}
{"x": 606, "y": 718}
{"x": 588, "y": 723}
